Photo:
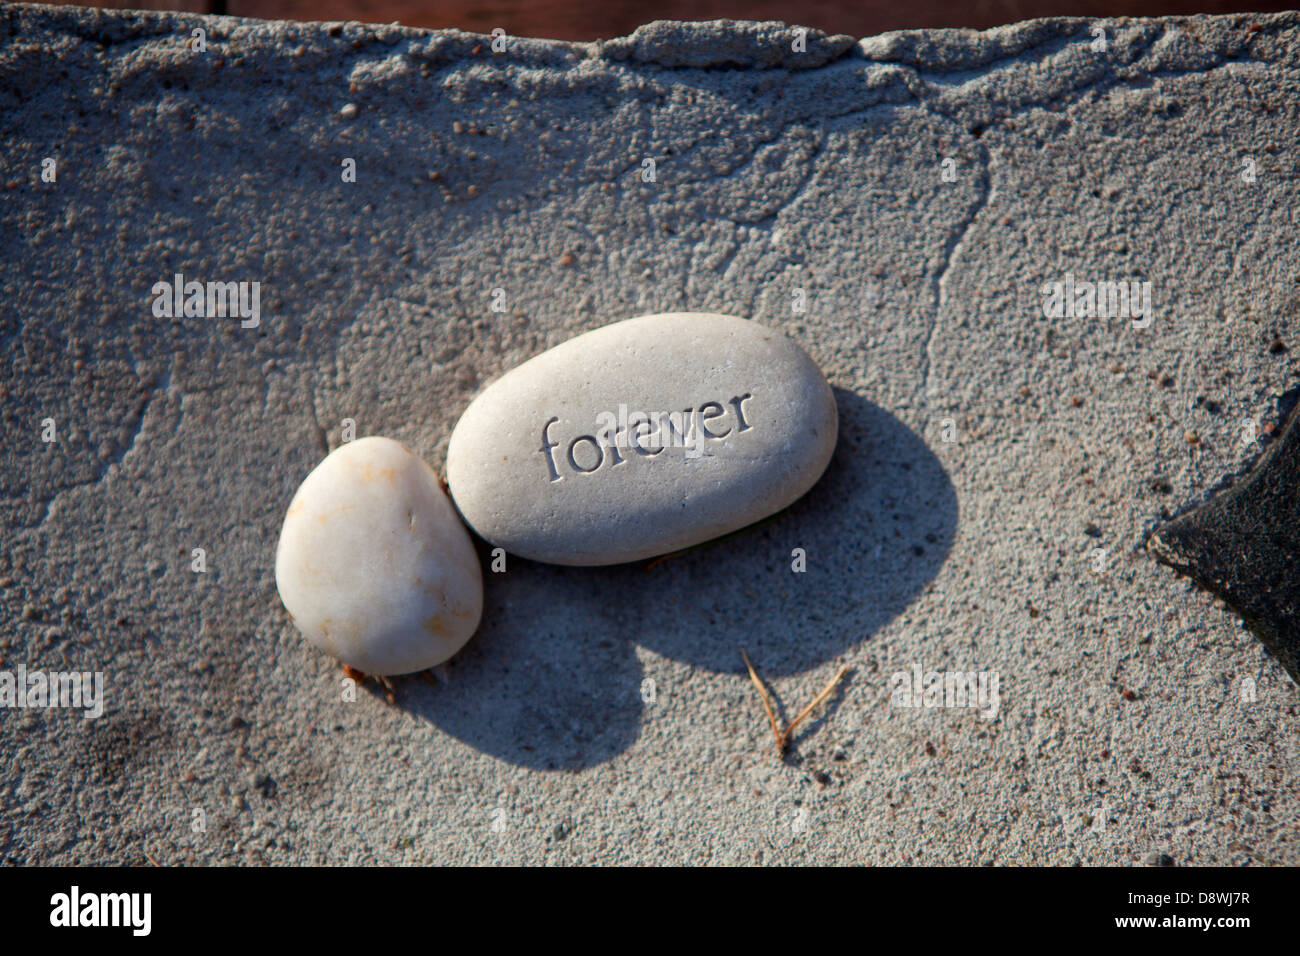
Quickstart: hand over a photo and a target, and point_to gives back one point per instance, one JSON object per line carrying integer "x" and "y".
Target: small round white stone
{"x": 374, "y": 564}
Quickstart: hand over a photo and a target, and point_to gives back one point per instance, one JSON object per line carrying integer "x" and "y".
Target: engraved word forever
{"x": 643, "y": 434}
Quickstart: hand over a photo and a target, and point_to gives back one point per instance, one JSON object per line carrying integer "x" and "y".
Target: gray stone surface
{"x": 1123, "y": 694}
{"x": 642, "y": 438}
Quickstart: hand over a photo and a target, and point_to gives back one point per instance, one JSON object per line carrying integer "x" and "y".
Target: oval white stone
{"x": 374, "y": 564}
{"x": 554, "y": 461}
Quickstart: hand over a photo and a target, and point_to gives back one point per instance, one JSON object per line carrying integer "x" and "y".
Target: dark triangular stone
{"x": 1243, "y": 545}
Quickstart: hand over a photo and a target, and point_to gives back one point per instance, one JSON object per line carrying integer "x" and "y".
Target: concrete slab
{"x": 998, "y": 471}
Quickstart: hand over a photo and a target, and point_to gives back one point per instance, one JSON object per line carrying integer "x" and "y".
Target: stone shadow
{"x": 552, "y": 680}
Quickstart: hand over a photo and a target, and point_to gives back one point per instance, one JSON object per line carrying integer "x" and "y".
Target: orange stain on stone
{"x": 437, "y": 626}
{"x": 370, "y": 473}
{"x": 323, "y": 516}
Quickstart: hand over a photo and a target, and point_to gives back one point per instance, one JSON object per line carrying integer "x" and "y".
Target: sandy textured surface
{"x": 1125, "y": 726}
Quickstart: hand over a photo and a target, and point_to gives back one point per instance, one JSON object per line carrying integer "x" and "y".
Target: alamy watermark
{"x": 1107, "y": 299}
{"x": 75, "y": 908}
{"x": 212, "y": 300}
{"x": 921, "y": 688}
{"x": 26, "y": 689}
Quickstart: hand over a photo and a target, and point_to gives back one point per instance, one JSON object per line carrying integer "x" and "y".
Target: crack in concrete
{"x": 930, "y": 98}
{"x": 954, "y": 246}
{"x": 161, "y": 387}
{"x": 321, "y": 437}
{"x": 723, "y": 267}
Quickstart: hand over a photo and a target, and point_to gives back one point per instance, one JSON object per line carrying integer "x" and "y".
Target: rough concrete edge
{"x": 746, "y": 44}
{"x": 958, "y": 50}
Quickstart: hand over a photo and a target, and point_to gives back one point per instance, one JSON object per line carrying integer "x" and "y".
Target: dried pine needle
{"x": 783, "y": 737}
